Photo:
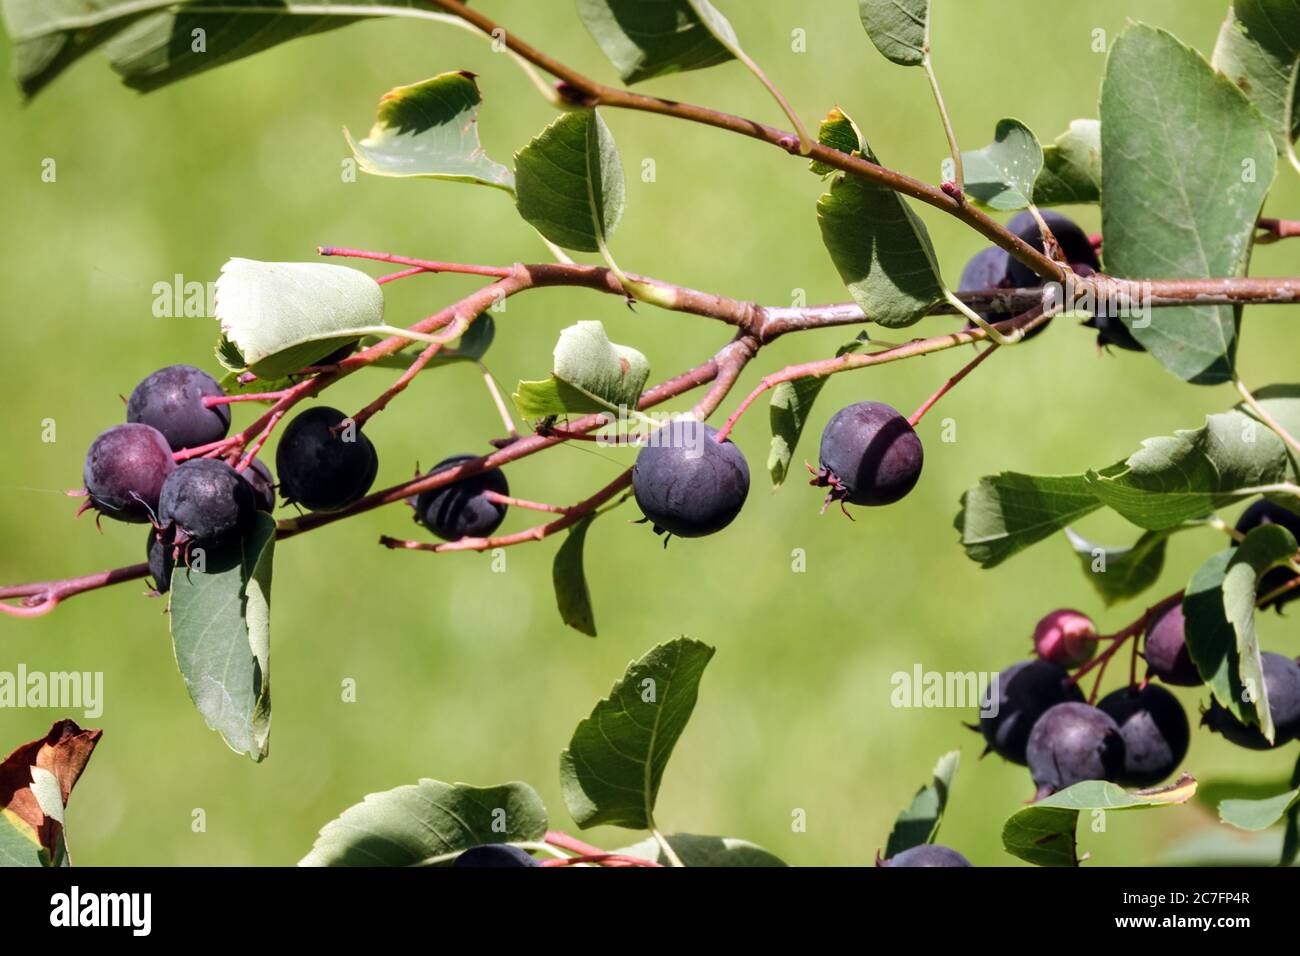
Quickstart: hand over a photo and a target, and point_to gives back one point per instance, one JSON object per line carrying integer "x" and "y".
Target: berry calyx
{"x": 1073, "y": 742}
{"x": 205, "y": 502}
{"x": 927, "y": 854}
{"x": 1025, "y": 691}
{"x": 495, "y": 855}
{"x": 1165, "y": 650}
{"x": 1282, "y": 685}
{"x": 1065, "y": 637}
{"x": 1264, "y": 512}
{"x": 324, "y": 460}
{"x": 125, "y": 470}
{"x": 1155, "y": 731}
{"x": 462, "y": 508}
{"x": 870, "y": 455}
{"x": 171, "y": 400}
{"x": 687, "y": 483}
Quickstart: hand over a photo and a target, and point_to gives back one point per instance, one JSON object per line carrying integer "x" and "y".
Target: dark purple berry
{"x": 1111, "y": 330}
{"x": 1074, "y": 243}
{"x": 1264, "y": 512}
{"x": 171, "y": 400}
{"x": 159, "y": 555}
{"x": 495, "y": 855}
{"x": 1073, "y": 742}
{"x": 1155, "y": 731}
{"x": 1025, "y": 691}
{"x": 462, "y": 508}
{"x": 338, "y": 355}
{"x": 870, "y": 455}
{"x": 1282, "y": 685}
{"x": 263, "y": 483}
{"x": 125, "y": 470}
{"x": 927, "y": 854}
{"x": 1165, "y": 650}
{"x": 206, "y": 502}
{"x": 687, "y": 483}
{"x": 988, "y": 270}
{"x": 324, "y": 461}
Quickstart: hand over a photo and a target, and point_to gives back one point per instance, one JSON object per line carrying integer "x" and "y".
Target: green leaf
{"x": 789, "y": 410}
{"x": 569, "y": 182}
{"x": 415, "y": 823}
{"x": 221, "y": 633}
{"x": 590, "y": 374}
{"x": 900, "y": 29}
{"x": 1071, "y": 167}
{"x": 430, "y": 130}
{"x": 476, "y": 341}
{"x": 1123, "y": 573}
{"x": 648, "y": 38}
{"x": 572, "y": 595}
{"x": 1181, "y": 136}
{"x": 1258, "y": 814}
{"x": 880, "y": 247}
{"x": 919, "y": 823}
{"x": 283, "y": 316}
{"x": 1211, "y": 639}
{"x": 695, "y": 850}
{"x": 611, "y": 771}
{"x": 1006, "y": 513}
{"x": 1044, "y": 832}
{"x": 1001, "y": 176}
{"x": 1259, "y": 51}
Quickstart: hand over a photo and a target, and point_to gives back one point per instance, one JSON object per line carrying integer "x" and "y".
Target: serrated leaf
{"x": 900, "y": 29}
{"x": 415, "y": 823}
{"x": 611, "y": 771}
{"x": 1006, "y": 513}
{"x": 1071, "y": 167}
{"x": 572, "y": 596}
{"x": 590, "y": 374}
{"x": 283, "y": 316}
{"x": 1044, "y": 832}
{"x": 221, "y": 633}
{"x": 1001, "y": 175}
{"x": 788, "y": 413}
{"x": 430, "y": 130}
{"x": 919, "y": 823}
{"x": 1260, "y": 60}
{"x": 1211, "y": 640}
{"x": 1186, "y": 163}
{"x": 569, "y": 182}
{"x": 1125, "y": 572}
{"x": 879, "y": 246}
{"x": 648, "y": 38}
{"x": 695, "y": 850}
{"x": 36, "y": 781}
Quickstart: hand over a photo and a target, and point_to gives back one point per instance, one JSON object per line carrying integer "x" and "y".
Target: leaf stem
{"x": 959, "y": 174}
{"x": 1264, "y": 416}
{"x": 669, "y": 853}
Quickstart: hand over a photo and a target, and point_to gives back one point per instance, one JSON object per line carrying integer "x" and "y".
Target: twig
{"x": 948, "y": 385}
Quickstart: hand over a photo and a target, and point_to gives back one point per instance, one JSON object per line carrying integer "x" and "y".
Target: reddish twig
{"x": 612, "y": 860}
{"x": 1275, "y": 229}
{"x": 947, "y": 386}
{"x": 42, "y": 597}
{"x": 417, "y": 265}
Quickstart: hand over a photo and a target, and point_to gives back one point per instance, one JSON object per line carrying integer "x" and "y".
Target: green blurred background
{"x": 465, "y": 674}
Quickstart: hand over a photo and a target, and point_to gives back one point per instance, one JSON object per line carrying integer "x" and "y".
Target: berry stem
{"x": 947, "y": 386}
{"x": 509, "y": 501}
{"x": 1264, "y": 416}
{"x": 211, "y": 401}
{"x": 419, "y": 265}
{"x": 1118, "y": 639}
{"x": 399, "y": 386}
{"x": 43, "y": 597}
{"x": 601, "y": 859}
{"x": 502, "y": 409}
{"x": 394, "y": 276}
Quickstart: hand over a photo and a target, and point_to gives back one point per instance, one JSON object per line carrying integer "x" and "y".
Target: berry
{"x": 1073, "y": 742}
{"x": 870, "y": 455}
{"x": 988, "y": 270}
{"x": 687, "y": 483}
{"x": 338, "y": 355}
{"x": 160, "y": 562}
{"x": 1112, "y": 331}
{"x": 1065, "y": 637}
{"x": 495, "y": 855}
{"x": 1025, "y": 691}
{"x": 324, "y": 466}
{"x": 1074, "y": 242}
{"x": 461, "y": 509}
{"x": 1165, "y": 650}
{"x": 1282, "y": 684}
{"x": 125, "y": 470}
{"x": 1155, "y": 731}
{"x": 927, "y": 854}
{"x": 1264, "y": 512}
{"x": 205, "y": 501}
{"x": 259, "y": 476}
{"x": 171, "y": 400}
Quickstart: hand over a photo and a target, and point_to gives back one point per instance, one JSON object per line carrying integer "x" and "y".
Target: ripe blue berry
{"x": 687, "y": 483}
{"x": 171, "y": 400}
{"x": 1074, "y": 243}
{"x": 986, "y": 269}
{"x": 1165, "y": 650}
{"x": 1282, "y": 684}
{"x": 259, "y": 476}
{"x": 870, "y": 455}
{"x": 1025, "y": 691}
{"x": 462, "y": 509}
{"x": 1073, "y": 742}
{"x": 495, "y": 855}
{"x": 927, "y": 854}
{"x": 1112, "y": 331}
{"x": 206, "y": 502}
{"x": 1155, "y": 731}
{"x": 324, "y": 461}
{"x": 125, "y": 470}
{"x": 1264, "y": 512}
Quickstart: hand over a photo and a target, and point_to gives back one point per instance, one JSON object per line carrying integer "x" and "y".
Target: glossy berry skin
{"x": 322, "y": 470}
{"x": 125, "y": 470}
{"x": 1282, "y": 685}
{"x": 1073, "y": 742}
{"x": 205, "y": 501}
{"x": 687, "y": 483}
{"x": 1155, "y": 731}
{"x": 159, "y": 555}
{"x": 1065, "y": 637}
{"x": 495, "y": 855}
{"x": 1165, "y": 650}
{"x": 263, "y": 484}
{"x": 927, "y": 854}
{"x": 987, "y": 269}
{"x": 870, "y": 455}
{"x": 1264, "y": 512}
{"x": 1074, "y": 242}
{"x": 171, "y": 400}
{"x": 1025, "y": 691}
{"x": 461, "y": 510}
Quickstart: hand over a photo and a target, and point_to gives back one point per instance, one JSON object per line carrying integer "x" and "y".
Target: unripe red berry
{"x": 1065, "y": 637}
